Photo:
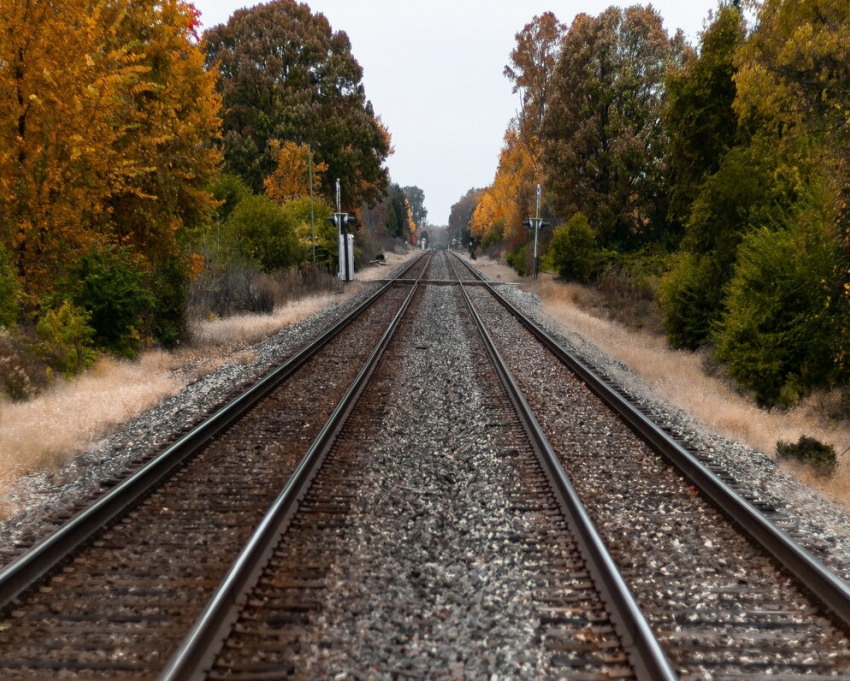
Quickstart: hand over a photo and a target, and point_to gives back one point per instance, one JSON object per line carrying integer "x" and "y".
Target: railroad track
{"x": 726, "y": 599}
{"x": 125, "y": 578}
{"x": 413, "y": 519}
{"x": 274, "y": 621}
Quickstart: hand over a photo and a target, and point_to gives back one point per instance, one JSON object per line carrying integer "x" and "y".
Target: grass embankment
{"x": 688, "y": 381}
{"x": 51, "y": 428}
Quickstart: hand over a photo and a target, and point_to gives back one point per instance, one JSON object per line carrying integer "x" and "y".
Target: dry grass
{"x": 53, "y": 427}
{"x": 681, "y": 378}
{"x": 392, "y": 261}
{"x": 250, "y": 328}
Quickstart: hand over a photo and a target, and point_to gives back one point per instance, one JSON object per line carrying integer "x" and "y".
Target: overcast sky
{"x": 433, "y": 71}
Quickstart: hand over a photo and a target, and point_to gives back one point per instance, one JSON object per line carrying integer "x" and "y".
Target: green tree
{"x": 698, "y": 113}
{"x": 9, "y": 291}
{"x": 285, "y": 75}
{"x": 778, "y": 333}
{"x": 604, "y": 143}
{"x": 755, "y": 187}
{"x": 574, "y": 252}
{"x": 263, "y": 232}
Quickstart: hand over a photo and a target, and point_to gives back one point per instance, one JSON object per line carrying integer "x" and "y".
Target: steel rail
{"x": 645, "y": 653}
{"x": 201, "y": 645}
{"x": 828, "y": 588}
{"x": 45, "y": 555}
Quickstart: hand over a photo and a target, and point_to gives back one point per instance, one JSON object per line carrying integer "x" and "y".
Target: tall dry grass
{"x": 680, "y": 376}
{"x": 250, "y": 328}
{"x": 51, "y": 428}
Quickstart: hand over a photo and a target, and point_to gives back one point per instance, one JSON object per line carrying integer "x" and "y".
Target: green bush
{"x": 230, "y": 190}
{"x": 688, "y": 298}
{"x": 169, "y": 284}
{"x": 517, "y": 260}
{"x": 778, "y": 332}
{"x": 811, "y": 452}
{"x": 8, "y": 291}
{"x": 494, "y": 235}
{"x": 108, "y": 282}
{"x": 574, "y": 252}
{"x": 262, "y": 231}
{"x": 66, "y": 339}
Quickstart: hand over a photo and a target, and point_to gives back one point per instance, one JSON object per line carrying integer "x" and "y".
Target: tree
{"x": 285, "y": 75}
{"x": 461, "y": 214}
{"x": 106, "y": 114}
{"x": 265, "y": 233}
{"x": 508, "y": 201}
{"x": 574, "y": 252}
{"x": 533, "y": 61}
{"x": 416, "y": 198}
{"x": 793, "y": 71}
{"x": 754, "y": 187}
{"x": 291, "y": 177}
{"x": 699, "y": 110}
{"x": 604, "y": 142}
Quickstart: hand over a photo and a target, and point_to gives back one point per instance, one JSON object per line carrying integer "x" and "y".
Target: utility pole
{"x": 536, "y": 223}
{"x": 312, "y": 212}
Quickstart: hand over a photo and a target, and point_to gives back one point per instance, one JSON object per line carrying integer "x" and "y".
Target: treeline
{"x": 716, "y": 173}
{"x": 144, "y": 167}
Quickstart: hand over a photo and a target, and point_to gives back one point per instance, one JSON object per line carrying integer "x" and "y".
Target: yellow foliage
{"x": 511, "y": 196}
{"x": 106, "y": 112}
{"x": 291, "y": 177}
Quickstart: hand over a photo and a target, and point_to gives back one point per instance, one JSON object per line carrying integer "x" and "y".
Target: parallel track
{"x": 697, "y": 635}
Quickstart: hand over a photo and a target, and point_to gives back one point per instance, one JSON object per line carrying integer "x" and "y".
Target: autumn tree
{"x": 291, "y": 176}
{"x": 286, "y": 75}
{"x": 416, "y": 198}
{"x": 106, "y": 117}
{"x": 532, "y": 63}
{"x": 605, "y": 145}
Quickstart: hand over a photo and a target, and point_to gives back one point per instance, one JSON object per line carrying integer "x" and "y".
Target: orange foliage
{"x": 106, "y": 113}
{"x": 291, "y": 177}
{"x": 507, "y": 201}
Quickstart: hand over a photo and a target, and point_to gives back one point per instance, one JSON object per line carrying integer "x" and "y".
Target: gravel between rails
{"x": 147, "y": 578}
{"x": 702, "y": 586}
{"x": 816, "y": 523}
{"x": 45, "y": 498}
{"x": 444, "y": 564}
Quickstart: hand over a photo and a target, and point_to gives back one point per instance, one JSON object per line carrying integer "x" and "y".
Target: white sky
{"x": 433, "y": 71}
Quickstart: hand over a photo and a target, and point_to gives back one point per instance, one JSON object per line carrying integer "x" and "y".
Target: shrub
{"x": 169, "y": 284}
{"x": 263, "y": 232}
{"x": 778, "y": 332}
{"x": 687, "y": 298}
{"x": 811, "y": 452}
{"x": 108, "y": 283}
{"x": 229, "y": 287}
{"x": 66, "y": 339}
{"x": 8, "y": 291}
{"x": 574, "y": 252}
{"x": 517, "y": 260}
{"x": 230, "y": 191}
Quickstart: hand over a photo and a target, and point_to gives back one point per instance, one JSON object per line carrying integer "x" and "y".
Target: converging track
{"x": 432, "y": 489}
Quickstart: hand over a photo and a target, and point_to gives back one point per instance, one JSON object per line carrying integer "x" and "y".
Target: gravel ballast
{"x": 43, "y": 498}
{"x": 817, "y": 523}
